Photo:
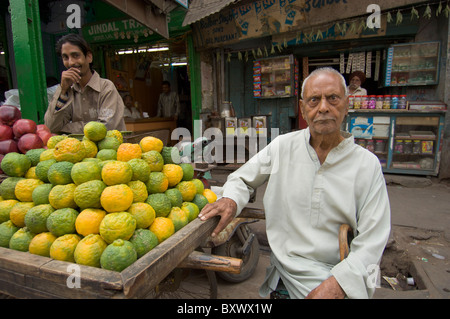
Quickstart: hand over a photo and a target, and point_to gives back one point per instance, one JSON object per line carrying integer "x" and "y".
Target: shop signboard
{"x": 183, "y": 3}
{"x": 251, "y": 19}
{"x": 112, "y": 30}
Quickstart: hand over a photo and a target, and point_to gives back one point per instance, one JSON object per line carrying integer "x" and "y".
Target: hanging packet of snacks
{"x": 349, "y": 63}
{"x": 369, "y": 64}
{"x": 342, "y": 63}
{"x": 377, "y": 66}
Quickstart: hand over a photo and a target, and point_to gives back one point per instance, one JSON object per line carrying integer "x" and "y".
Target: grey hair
{"x": 325, "y": 70}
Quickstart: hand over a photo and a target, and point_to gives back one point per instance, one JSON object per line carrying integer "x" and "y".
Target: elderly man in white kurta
{"x": 317, "y": 179}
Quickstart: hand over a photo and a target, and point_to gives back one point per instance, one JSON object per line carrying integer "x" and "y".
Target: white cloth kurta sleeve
{"x": 241, "y": 184}
{"x": 358, "y": 273}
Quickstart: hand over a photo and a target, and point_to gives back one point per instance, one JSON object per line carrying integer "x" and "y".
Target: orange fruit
{"x": 25, "y": 187}
{"x": 62, "y": 221}
{"x": 118, "y": 255}
{"x": 141, "y": 169}
{"x": 163, "y": 228}
{"x": 87, "y": 195}
{"x": 89, "y": 250}
{"x": 116, "y": 134}
{"x": 53, "y": 140}
{"x": 200, "y": 200}
{"x": 64, "y": 246}
{"x": 179, "y": 217}
{"x": 139, "y": 189}
{"x": 143, "y": 241}
{"x": 117, "y": 226}
{"x": 160, "y": 203}
{"x": 198, "y": 185}
{"x": 36, "y": 218}
{"x": 47, "y": 154}
{"x": 41, "y": 243}
{"x": 116, "y": 198}
{"x": 31, "y": 173}
{"x": 174, "y": 173}
{"x": 91, "y": 148}
{"x": 116, "y": 172}
{"x": 128, "y": 151}
{"x": 63, "y": 196}
{"x": 70, "y": 150}
{"x": 188, "y": 171}
{"x": 154, "y": 159}
{"x": 187, "y": 189}
{"x": 157, "y": 183}
{"x": 18, "y": 212}
{"x": 107, "y": 154}
{"x": 95, "y": 131}
{"x": 210, "y": 195}
{"x": 151, "y": 143}
{"x": 143, "y": 213}
{"x": 191, "y": 209}
{"x": 21, "y": 239}
{"x": 5, "y": 209}
{"x": 85, "y": 171}
{"x": 108, "y": 143}
{"x": 7, "y": 230}
{"x": 88, "y": 221}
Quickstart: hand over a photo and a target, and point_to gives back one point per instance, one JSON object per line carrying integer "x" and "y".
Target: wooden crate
{"x": 24, "y": 275}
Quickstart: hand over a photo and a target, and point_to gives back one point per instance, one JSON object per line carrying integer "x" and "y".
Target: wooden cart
{"x": 24, "y": 275}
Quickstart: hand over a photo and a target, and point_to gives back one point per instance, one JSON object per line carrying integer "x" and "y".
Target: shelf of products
{"x": 404, "y": 142}
{"x": 275, "y": 77}
{"x": 413, "y": 64}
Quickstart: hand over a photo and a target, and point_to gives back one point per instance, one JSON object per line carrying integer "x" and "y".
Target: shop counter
{"x": 156, "y": 126}
{"x": 150, "y": 124}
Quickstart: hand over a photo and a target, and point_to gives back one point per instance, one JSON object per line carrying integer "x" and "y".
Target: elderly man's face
{"x": 324, "y": 104}
{"x": 355, "y": 82}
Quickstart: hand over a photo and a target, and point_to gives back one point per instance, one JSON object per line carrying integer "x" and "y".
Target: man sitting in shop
{"x": 82, "y": 96}
{"x": 317, "y": 179}
{"x": 357, "y": 79}
{"x": 168, "y": 103}
{"x": 131, "y": 111}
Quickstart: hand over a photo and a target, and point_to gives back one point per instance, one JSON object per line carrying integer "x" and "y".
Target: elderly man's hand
{"x": 328, "y": 289}
{"x": 225, "y": 208}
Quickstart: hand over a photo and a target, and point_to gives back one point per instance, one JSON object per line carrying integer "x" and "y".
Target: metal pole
{"x": 29, "y": 58}
{"x": 196, "y": 84}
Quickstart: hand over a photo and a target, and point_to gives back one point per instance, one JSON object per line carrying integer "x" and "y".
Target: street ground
{"x": 418, "y": 248}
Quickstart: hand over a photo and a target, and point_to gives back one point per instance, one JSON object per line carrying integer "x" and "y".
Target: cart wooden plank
{"x": 25, "y": 275}
{"x": 143, "y": 276}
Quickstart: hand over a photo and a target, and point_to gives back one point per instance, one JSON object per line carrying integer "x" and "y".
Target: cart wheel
{"x": 244, "y": 245}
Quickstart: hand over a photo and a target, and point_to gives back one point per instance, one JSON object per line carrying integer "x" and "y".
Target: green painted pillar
{"x": 29, "y": 58}
{"x": 196, "y": 85}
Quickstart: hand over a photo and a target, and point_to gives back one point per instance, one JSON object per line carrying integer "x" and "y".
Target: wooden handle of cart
{"x": 199, "y": 260}
{"x": 256, "y": 213}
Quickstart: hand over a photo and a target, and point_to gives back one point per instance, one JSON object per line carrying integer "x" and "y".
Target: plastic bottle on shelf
{"x": 357, "y": 102}
{"x": 402, "y": 102}
{"x": 380, "y": 100}
{"x": 387, "y": 102}
{"x": 364, "y": 102}
{"x": 394, "y": 102}
{"x": 351, "y": 100}
{"x": 372, "y": 102}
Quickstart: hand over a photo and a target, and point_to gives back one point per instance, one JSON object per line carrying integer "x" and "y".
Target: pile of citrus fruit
{"x": 97, "y": 201}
